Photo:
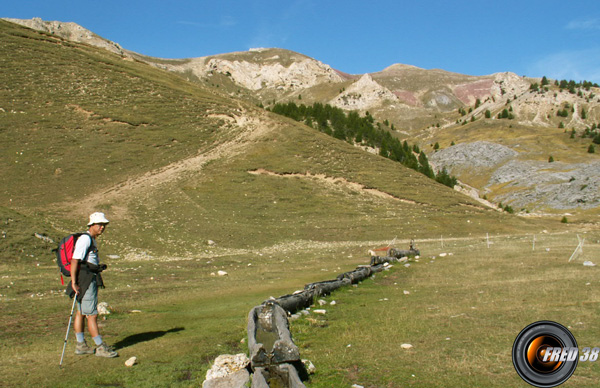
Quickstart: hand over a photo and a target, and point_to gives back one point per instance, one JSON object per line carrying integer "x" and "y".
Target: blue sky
{"x": 558, "y": 39}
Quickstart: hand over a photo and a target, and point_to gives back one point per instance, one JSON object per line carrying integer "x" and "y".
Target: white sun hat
{"x": 97, "y": 218}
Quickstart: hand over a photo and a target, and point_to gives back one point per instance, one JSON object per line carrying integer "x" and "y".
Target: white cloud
{"x": 577, "y": 65}
{"x": 588, "y": 24}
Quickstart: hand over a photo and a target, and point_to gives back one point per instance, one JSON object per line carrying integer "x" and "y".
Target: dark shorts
{"x": 89, "y": 303}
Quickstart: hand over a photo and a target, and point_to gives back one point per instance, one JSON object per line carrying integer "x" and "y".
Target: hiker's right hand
{"x": 75, "y": 288}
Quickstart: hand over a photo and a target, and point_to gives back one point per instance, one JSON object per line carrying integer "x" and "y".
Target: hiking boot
{"x": 103, "y": 350}
{"x": 83, "y": 348}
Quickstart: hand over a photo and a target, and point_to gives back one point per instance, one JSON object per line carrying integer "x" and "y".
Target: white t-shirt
{"x": 81, "y": 246}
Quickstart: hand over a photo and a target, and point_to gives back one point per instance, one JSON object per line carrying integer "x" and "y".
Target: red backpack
{"x": 64, "y": 254}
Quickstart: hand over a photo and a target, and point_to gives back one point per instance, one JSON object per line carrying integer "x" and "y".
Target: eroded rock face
{"x": 363, "y": 94}
{"x": 526, "y": 183}
{"x": 253, "y": 76}
{"x": 480, "y": 154}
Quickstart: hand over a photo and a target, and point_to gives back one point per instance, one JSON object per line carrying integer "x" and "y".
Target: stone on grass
{"x": 103, "y": 308}
{"x": 227, "y": 364}
{"x": 406, "y": 346}
{"x": 310, "y": 367}
{"x": 131, "y": 362}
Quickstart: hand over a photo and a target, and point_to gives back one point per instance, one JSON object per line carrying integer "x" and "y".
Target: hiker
{"x": 85, "y": 281}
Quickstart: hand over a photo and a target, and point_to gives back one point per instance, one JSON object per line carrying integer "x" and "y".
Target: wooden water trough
{"x": 274, "y": 357}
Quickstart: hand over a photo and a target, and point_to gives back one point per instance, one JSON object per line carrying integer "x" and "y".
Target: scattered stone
{"x": 406, "y": 292}
{"x": 227, "y": 364}
{"x": 310, "y": 367}
{"x": 407, "y": 265}
{"x": 443, "y": 254}
{"x": 322, "y": 302}
{"x": 589, "y": 264}
{"x": 211, "y": 242}
{"x": 113, "y": 256}
{"x": 103, "y": 308}
{"x": 333, "y": 303}
{"x": 136, "y": 311}
{"x": 320, "y": 311}
{"x": 222, "y": 273}
{"x": 44, "y": 238}
{"x": 131, "y": 362}
{"x": 406, "y": 346}
{"x": 357, "y": 386}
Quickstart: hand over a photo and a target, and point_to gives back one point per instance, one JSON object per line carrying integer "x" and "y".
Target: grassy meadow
{"x": 195, "y": 183}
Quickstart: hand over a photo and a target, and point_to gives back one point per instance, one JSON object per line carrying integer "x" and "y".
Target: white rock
{"x": 589, "y": 264}
{"x": 322, "y": 302}
{"x": 406, "y": 292}
{"x": 227, "y": 364}
{"x": 222, "y": 273}
{"x": 357, "y": 386}
{"x": 406, "y": 346}
{"x": 333, "y": 303}
{"x": 320, "y": 311}
{"x": 131, "y": 362}
{"x": 103, "y": 308}
{"x": 443, "y": 254}
{"x": 310, "y": 367}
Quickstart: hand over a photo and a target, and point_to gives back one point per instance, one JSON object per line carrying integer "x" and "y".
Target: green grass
{"x": 462, "y": 315}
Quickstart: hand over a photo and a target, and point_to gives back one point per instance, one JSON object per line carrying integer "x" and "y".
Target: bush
{"x": 564, "y": 220}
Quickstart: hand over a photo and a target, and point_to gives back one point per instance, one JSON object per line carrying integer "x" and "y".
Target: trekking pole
{"x": 68, "y": 328}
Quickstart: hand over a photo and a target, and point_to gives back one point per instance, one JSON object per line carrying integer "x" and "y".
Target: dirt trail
{"x": 247, "y": 128}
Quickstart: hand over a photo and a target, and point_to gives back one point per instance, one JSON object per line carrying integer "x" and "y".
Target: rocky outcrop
{"x": 471, "y": 156}
{"x": 363, "y": 94}
{"x": 540, "y": 185}
{"x": 533, "y": 185}
{"x": 70, "y": 31}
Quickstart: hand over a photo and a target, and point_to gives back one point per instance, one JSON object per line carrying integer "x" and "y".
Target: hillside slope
{"x": 174, "y": 165}
{"x": 426, "y": 107}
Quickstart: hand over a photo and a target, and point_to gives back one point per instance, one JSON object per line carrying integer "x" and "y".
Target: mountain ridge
{"x": 424, "y": 106}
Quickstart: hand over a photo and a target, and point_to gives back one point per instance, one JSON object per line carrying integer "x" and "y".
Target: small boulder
{"x": 103, "y": 308}
{"x": 131, "y": 362}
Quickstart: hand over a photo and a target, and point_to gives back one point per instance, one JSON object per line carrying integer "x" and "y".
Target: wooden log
{"x": 260, "y": 377}
{"x": 358, "y": 275}
{"x": 258, "y": 354}
{"x": 325, "y": 287}
{"x": 296, "y": 302}
{"x": 269, "y": 338}
{"x": 403, "y": 253}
